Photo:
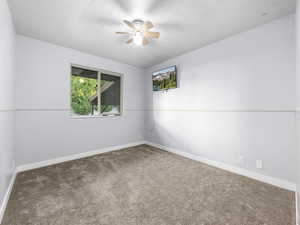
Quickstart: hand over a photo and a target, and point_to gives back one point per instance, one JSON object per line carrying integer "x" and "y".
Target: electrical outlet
{"x": 259, "y": 164}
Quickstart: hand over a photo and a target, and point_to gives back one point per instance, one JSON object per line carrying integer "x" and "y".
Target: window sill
{"x": 100, "y": 116}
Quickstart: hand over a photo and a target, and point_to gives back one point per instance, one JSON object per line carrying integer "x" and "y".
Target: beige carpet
{"x": 144, "y": 186}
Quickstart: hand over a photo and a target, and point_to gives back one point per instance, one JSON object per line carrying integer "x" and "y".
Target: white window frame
{"x": 99, "y": 72}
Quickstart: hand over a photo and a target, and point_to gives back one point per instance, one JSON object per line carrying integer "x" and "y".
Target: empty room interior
{"x": 152, "y": 112}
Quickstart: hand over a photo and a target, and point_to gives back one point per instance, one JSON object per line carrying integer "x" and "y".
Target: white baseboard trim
{"x": 244, "y": 172}
{"x": 36, "y": 165}
{"x": 6, "y": 196}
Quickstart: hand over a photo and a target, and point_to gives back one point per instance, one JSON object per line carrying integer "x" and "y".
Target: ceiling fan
{"x": 140, "y": 32}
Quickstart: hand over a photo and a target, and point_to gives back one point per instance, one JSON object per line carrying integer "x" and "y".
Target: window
{"x": 95, "y": 92}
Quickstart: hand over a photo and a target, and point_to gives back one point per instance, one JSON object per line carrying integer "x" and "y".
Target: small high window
{"x": 95, "y": 92}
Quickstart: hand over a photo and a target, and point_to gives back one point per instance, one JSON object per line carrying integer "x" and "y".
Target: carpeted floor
{"x": 144, "y": 186}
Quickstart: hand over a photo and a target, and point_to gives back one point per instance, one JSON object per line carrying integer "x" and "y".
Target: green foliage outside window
{"x": 85, "y": 93}
{"x": 82, "y": 90}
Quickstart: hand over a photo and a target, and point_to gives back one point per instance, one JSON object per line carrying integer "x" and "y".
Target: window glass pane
{"x": 84, "y": 96}
{"x": 110, "y": 94}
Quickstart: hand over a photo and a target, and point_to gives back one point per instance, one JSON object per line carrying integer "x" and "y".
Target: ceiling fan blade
{"x": 152, "y": 34}
{"x": 148, "y": 25}
{"x": 129, "y": 24}
{"x": 129, "y": 41}
{"x": 122, "y": 32}
{"x": 145, "y": 41}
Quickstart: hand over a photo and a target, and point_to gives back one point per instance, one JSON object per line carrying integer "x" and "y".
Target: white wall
{"x": 298, "y": 103}
{"x": 235, "y": 98}
{"x": 7, "y": 105}
{"x": 45, "y": 129}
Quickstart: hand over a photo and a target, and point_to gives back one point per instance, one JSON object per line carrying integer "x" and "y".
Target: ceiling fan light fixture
{"x": 138, "y": 38}
{"x": 140, "y": 34}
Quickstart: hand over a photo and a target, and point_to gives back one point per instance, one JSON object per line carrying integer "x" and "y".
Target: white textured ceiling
{"x": 90, "y": 25}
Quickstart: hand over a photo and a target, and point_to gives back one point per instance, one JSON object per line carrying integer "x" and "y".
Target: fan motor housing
{"x": 138, "y": 22}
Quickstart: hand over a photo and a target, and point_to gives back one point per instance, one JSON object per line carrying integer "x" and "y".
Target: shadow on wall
{"x": 199, "y": 133}
{"x": 235, "y": 138}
